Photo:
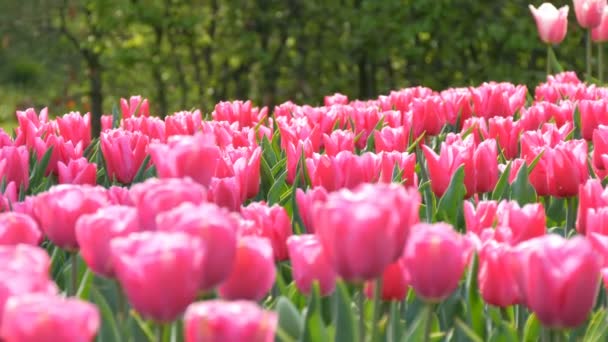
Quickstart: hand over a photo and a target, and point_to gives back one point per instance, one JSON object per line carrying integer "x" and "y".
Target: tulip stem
{"x": 376, "y": 308}
{"x": 74, "y": 273}
{"x": 600, "y": 62}
{"x": 589, "y": 54}
{"x": 548, "y": 59}
{"x": 570, "y": 215}
{"x": 428, "y": 322}
{"x": 361, "y": 317}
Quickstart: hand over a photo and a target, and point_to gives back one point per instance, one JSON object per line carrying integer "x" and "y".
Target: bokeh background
{"x": 84, "y": 55}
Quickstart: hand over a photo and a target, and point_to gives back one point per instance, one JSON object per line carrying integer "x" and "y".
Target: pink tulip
{"x": 309, "y": 264}
{"x": 498, "y": 99}
{"x": 247, "y": 170}
{"x": 183, "y": 123}
{"x": 567, "y": 168}
{"x": 124, "y": 153}
{"x": 119, "y": 195}
{"x": 63, "y": 151}
{"x": 460, "y": 100}
{"x": 391, "y": 139}
{"x": 8, "y": 199}
{"x": 552, "y": 24}
{"x": 271, "y": 222}
{"x": 226, "y": 193}
{"x": 441, "y": 168}
{"x": 253, "y": 272}
{"x": 95, "y": 231}
{"x": 497, "y": 282}
{"x": 336, "y": 98}
{"x": 506, "y": 132}
{"x": 476, "y": 220}
{"x": 47, "y": 318}
{"x": 600, "y": 148}
{"x": 31, "y": 126}
{"x": 517, "y": 224}
{"x": 238, "y": 111}
{"x": 435, "y": 258}
{"x": 152, "y": 127}
{"x": 58, "y": 209}
{"x": 16, "y": 228}
{"x": 345, "y": 170}
{"x": 429, "y": 115}
{"x": 593, "y": 113}
{"x": 160, "y": 272}
{"x": 15, "y": 165}
{"x": 216, "y": 227}
{"x": 591, "y": 196}
{"x": 155, "y": 196}
{"x": 337, "y": 141}
{"x": 364, "y": 230}
{"x": 305, "y": 202}
{"x": 76, "y": 128}
{"x": 186, "y": 156}
{"x": 394, "y": 283}
{"x": 589, "y": 12}
{"x": 77, "y": 171}
{"x": 107, "y": 122}
{"x": 218, "y": 320}
{"x": 406, "y": 166}
{"x": 559, "y": 279}
{"x": 136, "y": 106}
{"x": 599, "y": 34}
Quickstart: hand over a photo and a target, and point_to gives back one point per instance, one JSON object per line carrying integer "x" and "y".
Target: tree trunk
{"x": 96, "y": 93}
{"x": 161, "y": 87}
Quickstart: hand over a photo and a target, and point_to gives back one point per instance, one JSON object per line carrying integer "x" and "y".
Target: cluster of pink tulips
{"x": 467, "y": 214}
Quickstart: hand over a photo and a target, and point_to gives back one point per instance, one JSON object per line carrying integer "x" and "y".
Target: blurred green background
{"x": 85, "y": 55}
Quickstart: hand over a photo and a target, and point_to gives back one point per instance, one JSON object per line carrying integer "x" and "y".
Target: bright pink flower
{"x": 591, "y": 195}
{"x": 253, "y": 272}
{"x": 47, "y": 317}
{"x": 476, "y": 220}
{"x": 394, "y": 283}
{"x": 498, "y": 99}
{"x": 567, "y": 168}
{"x": 435, "y": 258}
{"x": 271, "y": 222}
{"x": 429, "y": 115}
{"x": 119, "y": 195}
{"x": 516, "y": 224}
{"x": 552, "y": 24}
{"x": 160, "y": 272}
{"x": 485, "y": 164}
{"x": 309, "y": 263}
{"x": 364, "y": 230}
{"x": 77, "y": 171}
{"x": 216, "y": 227}
{"x": 336, "y": 98}
{"x": 107, "y": 122}
{"x": 136, "y": 106}
{"x": 597, "y": 221}
{"x": 155, "y": 196}
{"x": 124, "y": 153}
{"x": 16, "y": 228}
{"x": 95, "y": 231}
{"x": 506, "y": 132}
{"x": 63, "y": 151}
{"x": 247, "y": 170}
{"x": 225, "y": 192}
{"x": 391, "y": 139}
{"x": 405, "y": 163}
{"x": 75, "y": 127}
{"x": 31, "y": 126}
{"x": 194, "y": 156}
{"x": 305, "y": 202}
{"x": 236, "y": 321}
{"x": 151, "y": 126}
{"x": 593, "y": 113}
{"x": 294, "y": 153}
{"x": 183, "y": 123}
{"x": 559, "y": 279}
{"x": 58, "y": 209}
{"x": 589, "y": 12}
{"x": 345, "y": 170}
{"x": 599, "y": 34}
{"x": 238, "y": 111}
{"x": 337, "y": 141}
{"x": 460, "y": 99}
{"x": 600, "y": 148}
{"x": 15, "y": 166}
{"x": 441, "y": 168}
{"x": 497, "y": 282}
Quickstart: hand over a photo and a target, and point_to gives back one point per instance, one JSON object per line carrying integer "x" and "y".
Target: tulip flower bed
{"x": 470, "y": 214}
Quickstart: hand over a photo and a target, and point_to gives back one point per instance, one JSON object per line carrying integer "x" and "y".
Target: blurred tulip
{"x": 95, "y": 231}
{"x": 338, "y": 141}
{"x": 223, "y": 321}
{"x": 247, "y": 170}
{"x": 498, "y": 99}
{"x": 441, "y": 168}
{"x": 559, "y": 279}
{"x": 305, "y": 202}
{"x": 183, "y": 123}
{"x": 76, "y": 128}
{"x": 600, "y": 148}
{"x": 47, "y": 317}
{"x": 405, "y": 163}
{"x": 336, "y": 98}
{"x": 118, "y": 195}
{"x": 63, "y": 151}
{"x": 238, "y": 111}
{"x": 593, "y": 113}
{"x": 253, "y": 272}
{"x": 345, "y": 170}
{"x": 152, "y": 127}
{"x": 516, "y": 224}
{"x": 506, "y": 132}
{"x": 497, "y": 283}
{"x": 477, "y": 219}
{"x": 15, "y": 166}
{"x": 124, "y": 153}
{"x": 391, "y": 139}
{"x": 552, "y": 24}
{"x": 186, "y": 156}
{"x": 58, "y": 209}
{"x": 429, "y": 115}
{"x": 435, "y": 258}
{"x": 216, "y": 227}
{"x": 567, "y": 168}
{"x": 271, "y": 222}
{"x": 589, "y": 12}
{"x": 160, "y": 272}
{"x": 225, "y": 192}
{"x": 77, "y": 171}
{"x": 135, "y": 106}
{"x": 394, "y": 283}
{"x": 155, "y": 196}
{"x": 599, "y": 34}
{"x": 591, "y": 195}
{"x": 364, "y": 230}
{"x": 16, "y": 228}
{"x": 309, "y": 263}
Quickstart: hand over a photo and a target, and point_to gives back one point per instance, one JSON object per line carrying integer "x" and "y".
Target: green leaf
{"x": 395, "y": 324}
{"x": 468, "y": 331}
{"x": 85, "y": 284}
{"x": 555, "y": 66}
{"x": 416, "y": 330}
{"x": 597, "y": 329}
{"x": 139, "y": 176}
{"x": 501, "y": 190}
{"x": 277, "y": 189}
{"x": 532, "y": 329}
{"x": 314, "y": 328}
{"x": 577, "y": 124}
{"x": 450, "y": 204}
{"x": 107, "y": 314}
{"x": 40, "y": 168}
{"x": 290, "y": 320}
{"x": 475, "y": 305}
{"x": 521, "y": 189}
{"x": 371, "y": 142}
{"x": 116, "y": 116}
{"x": 343, "y": 317}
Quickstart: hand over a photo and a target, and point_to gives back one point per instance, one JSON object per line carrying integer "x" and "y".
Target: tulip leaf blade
{"x": 107, "y": 314}
{"x": 40, "y": 168}
{"x": 521, "y": 189}
{"x": 290, "y": 320}
{"x": 472, "y": 336}
{"x": 450, "y": 204}
{"x": 597, "y": 330}
{"x": 277, "y": 189}
{"x": 532, "y": 329}
{"x": 501, "y": 190}
{"x": 314, "y": 328}
{"x": 344, "y": 318}
{"x": 115, "y": 116}
{"x": 140, "y": 174}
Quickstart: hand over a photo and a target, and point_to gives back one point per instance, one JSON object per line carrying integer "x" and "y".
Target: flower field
{"x": 469, "y": 214}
